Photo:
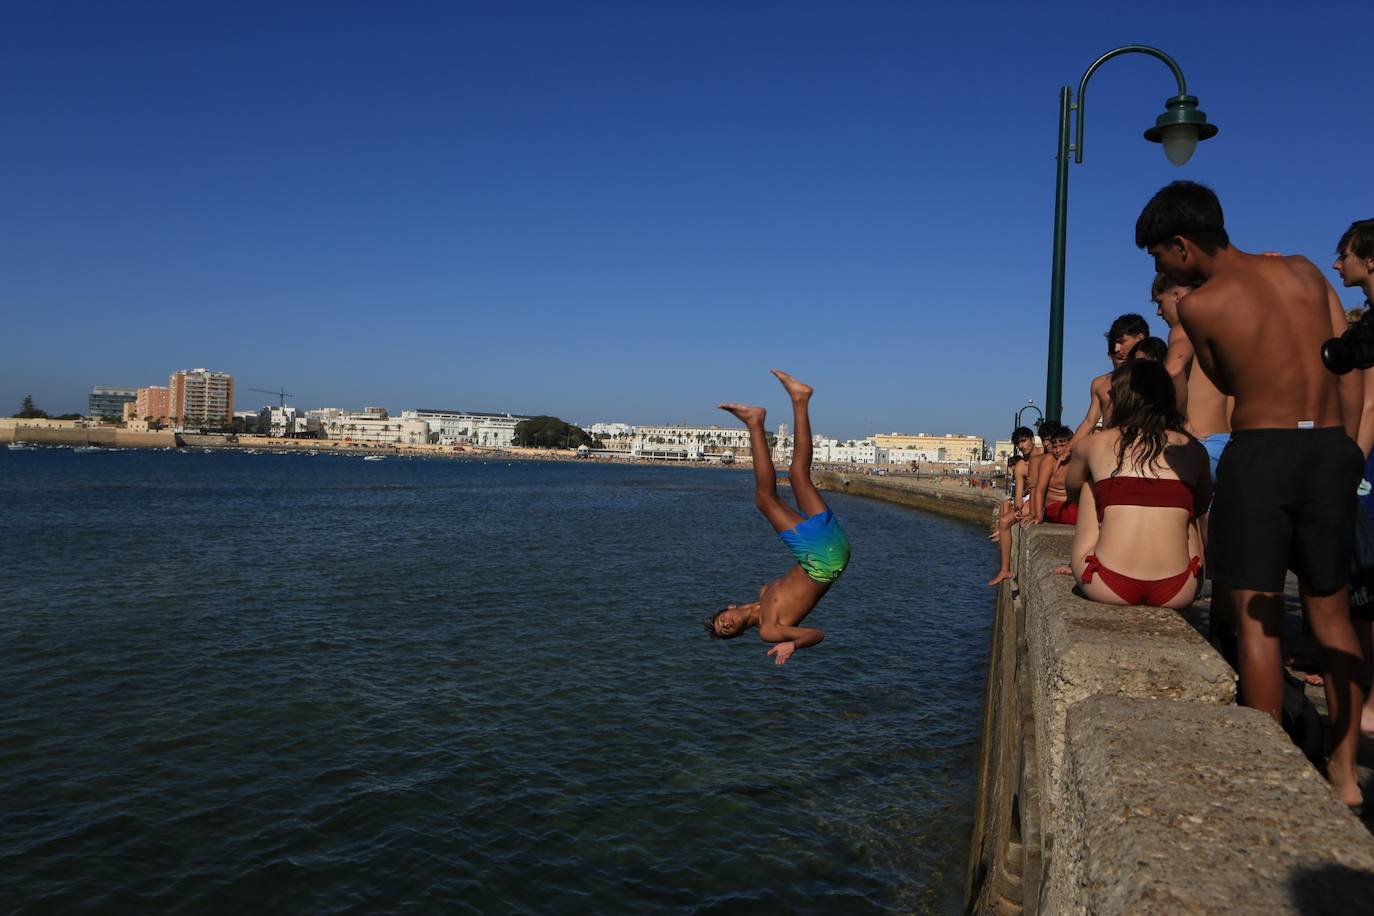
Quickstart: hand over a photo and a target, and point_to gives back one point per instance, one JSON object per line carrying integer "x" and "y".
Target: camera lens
{"x": 1336, "y": 356}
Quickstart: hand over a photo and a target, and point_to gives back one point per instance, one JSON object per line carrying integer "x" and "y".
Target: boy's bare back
{"x": 1257, "y": 325}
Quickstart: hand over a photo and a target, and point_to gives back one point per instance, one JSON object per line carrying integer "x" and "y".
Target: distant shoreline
{"x": 117, "y": 438}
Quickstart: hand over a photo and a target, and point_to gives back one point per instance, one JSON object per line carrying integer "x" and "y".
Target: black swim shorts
{"x": 1285, "y": 499}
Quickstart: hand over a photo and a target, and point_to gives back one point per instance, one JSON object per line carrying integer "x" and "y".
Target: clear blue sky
{"x": 630, "y": 211}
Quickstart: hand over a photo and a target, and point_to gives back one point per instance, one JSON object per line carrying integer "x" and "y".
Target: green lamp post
{"x": 1178, "y": 130}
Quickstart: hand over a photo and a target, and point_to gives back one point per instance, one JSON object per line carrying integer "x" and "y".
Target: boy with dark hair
{"x": 1285, "y": 482}
{"x": 815, "y": 538}
{"x": 1125, "y": 332}
{"x": 1355, "y": 256}
{"x": 1018, "y": 506}
{"x": 1151, "y": 348}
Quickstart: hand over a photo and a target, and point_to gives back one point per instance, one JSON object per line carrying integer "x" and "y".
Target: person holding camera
{"x": 1284, "y": 483}
{"x": 1355, "y": 350}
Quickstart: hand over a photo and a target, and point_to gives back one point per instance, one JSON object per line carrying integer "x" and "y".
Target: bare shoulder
{"x": 1102, "y": 384}
{"x": 1091, "y": 446}
{"x": 1301, "y": 265}
{"x": 1202, "y": 300}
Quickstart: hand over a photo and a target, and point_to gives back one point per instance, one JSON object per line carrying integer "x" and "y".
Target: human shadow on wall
{"x": 1332, "y": 890}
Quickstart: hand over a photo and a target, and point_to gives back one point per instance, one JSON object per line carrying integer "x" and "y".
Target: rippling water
{"x": 275, "y": 682}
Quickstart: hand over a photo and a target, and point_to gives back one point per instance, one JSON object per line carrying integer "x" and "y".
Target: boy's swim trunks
{"x": 1285, "y": 500}
{"x": 819, "y": 545}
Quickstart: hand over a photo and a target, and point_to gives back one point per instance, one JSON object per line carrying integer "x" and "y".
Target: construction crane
{"x": 283, "y": 394}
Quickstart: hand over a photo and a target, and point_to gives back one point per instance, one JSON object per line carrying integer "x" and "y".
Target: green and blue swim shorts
{"x": 820, "y": 546}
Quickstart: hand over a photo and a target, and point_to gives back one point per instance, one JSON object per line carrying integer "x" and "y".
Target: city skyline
{"x": 613, "y": 213}
{"x": 587, "y": 425}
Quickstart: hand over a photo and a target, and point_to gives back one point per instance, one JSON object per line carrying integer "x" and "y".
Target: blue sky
{"x": 630, "y": 211}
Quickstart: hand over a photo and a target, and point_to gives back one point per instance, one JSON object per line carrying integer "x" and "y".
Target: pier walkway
{"x": 1117, "y": 772}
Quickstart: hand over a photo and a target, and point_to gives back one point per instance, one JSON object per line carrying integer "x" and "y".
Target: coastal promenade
{"x": 950, "y": 497}
{"x": 1117, "y": 773}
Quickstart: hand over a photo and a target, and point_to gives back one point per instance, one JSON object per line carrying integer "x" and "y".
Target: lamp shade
{"x": 1180, "y": 128}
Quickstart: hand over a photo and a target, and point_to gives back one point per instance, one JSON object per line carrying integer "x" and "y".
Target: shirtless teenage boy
{"x": 1018, "y": 506}
{"x": 1285, "y": 481}
{"x": 1049, "y": 501}
{"x": 1208, "y": 415}
{"x": 1125, "y": 333}
{"x": 815, "y": 539}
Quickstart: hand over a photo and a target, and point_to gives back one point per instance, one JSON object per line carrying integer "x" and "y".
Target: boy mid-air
{"x": 815, "y": 539}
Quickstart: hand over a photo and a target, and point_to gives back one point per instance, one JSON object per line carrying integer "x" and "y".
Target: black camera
{"x": 1352, "y": 350}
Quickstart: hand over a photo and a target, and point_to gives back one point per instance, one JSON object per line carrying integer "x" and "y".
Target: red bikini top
{"x": 1142, "y": 491}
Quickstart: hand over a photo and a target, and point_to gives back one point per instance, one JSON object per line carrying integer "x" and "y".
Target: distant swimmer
{"x": 815, "y": 539}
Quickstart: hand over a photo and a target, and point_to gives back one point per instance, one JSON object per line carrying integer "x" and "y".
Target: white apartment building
{"x": 908, "y": 455}
{"x": 198, "y": 396}
{"x": 693, "y": 443}
{"x": 611, "y": 430}
{"x": 280, "y": 422}
{"x": 371, "y": 426}
{"x": 468, "y": 427}
{"x": 860, "y": 451}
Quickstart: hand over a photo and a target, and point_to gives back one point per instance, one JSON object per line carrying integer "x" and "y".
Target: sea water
{"x": 318, "y": 684}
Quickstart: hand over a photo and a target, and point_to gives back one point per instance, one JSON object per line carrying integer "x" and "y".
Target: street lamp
{"x": 1178, "y": 130}
{"x": 1030, "y": 405}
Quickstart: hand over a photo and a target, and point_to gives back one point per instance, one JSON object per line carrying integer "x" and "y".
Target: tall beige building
{"x": 154, "y": 403}
{"x": 956, "y": 448}
{"x": 201, "y": 396}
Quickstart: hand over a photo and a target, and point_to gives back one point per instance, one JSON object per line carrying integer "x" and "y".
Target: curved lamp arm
{"x": 1117, "y": 52}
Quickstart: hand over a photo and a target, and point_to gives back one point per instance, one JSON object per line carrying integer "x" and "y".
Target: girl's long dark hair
{"x": 1144, "y": 409}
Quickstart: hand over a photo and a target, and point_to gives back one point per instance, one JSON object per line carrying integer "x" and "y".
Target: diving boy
{"x": 815, "y": 539}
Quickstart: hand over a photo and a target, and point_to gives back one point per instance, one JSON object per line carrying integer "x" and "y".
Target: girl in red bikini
{"x": 1147, "y": 481}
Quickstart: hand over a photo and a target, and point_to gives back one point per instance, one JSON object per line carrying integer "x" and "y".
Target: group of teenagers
{"x": 1230, "y": 443}
{"x": 1229, "y": 451}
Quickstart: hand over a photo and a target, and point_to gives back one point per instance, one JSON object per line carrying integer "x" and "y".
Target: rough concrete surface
{"x": 1078, "y": 648}
{"x": 1192, "y": 808}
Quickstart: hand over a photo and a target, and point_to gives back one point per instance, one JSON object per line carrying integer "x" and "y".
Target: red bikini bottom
{"x": 1154, "y": 592}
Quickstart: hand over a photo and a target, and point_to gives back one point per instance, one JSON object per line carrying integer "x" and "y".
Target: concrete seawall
{"x": 1117, "y": 775}
{"x": 1116, "y": 772}
{"x": 108, "y": 436}
{"x": 969, "y": 504}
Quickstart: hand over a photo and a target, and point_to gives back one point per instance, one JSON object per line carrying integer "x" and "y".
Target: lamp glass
{"x": 1179, "y": 142}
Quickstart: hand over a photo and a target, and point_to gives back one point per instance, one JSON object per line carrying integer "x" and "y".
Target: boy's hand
{"x": 782, "y": 652}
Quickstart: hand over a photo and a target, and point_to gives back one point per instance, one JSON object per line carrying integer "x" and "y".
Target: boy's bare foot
{"x": 798, "y": 390}
{"x": 999, "y": 578}
{"x": 1367, "y": 722}
{"x": 1348, "y": 788}
{"x": 745, "y": 413}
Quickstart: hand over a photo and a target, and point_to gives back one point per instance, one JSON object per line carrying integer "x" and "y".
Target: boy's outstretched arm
{"x": 789, "y": 639}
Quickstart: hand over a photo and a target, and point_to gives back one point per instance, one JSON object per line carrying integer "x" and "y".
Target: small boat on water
{"x": 21, "y": 447}
{"x": 87, "y": 449}
{"x": 374, "y": 458}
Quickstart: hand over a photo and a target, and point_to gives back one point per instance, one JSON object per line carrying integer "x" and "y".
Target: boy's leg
{"x": 1340, "y": 654}
{"x": 1003, "y": 537}
{"x": 799, "y": 472}
{"x": 1259, "y": 619}
{"x": 779, "y": 514}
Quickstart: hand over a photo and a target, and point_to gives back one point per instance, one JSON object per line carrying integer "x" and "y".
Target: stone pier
{"x": 1118, "y": 775}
